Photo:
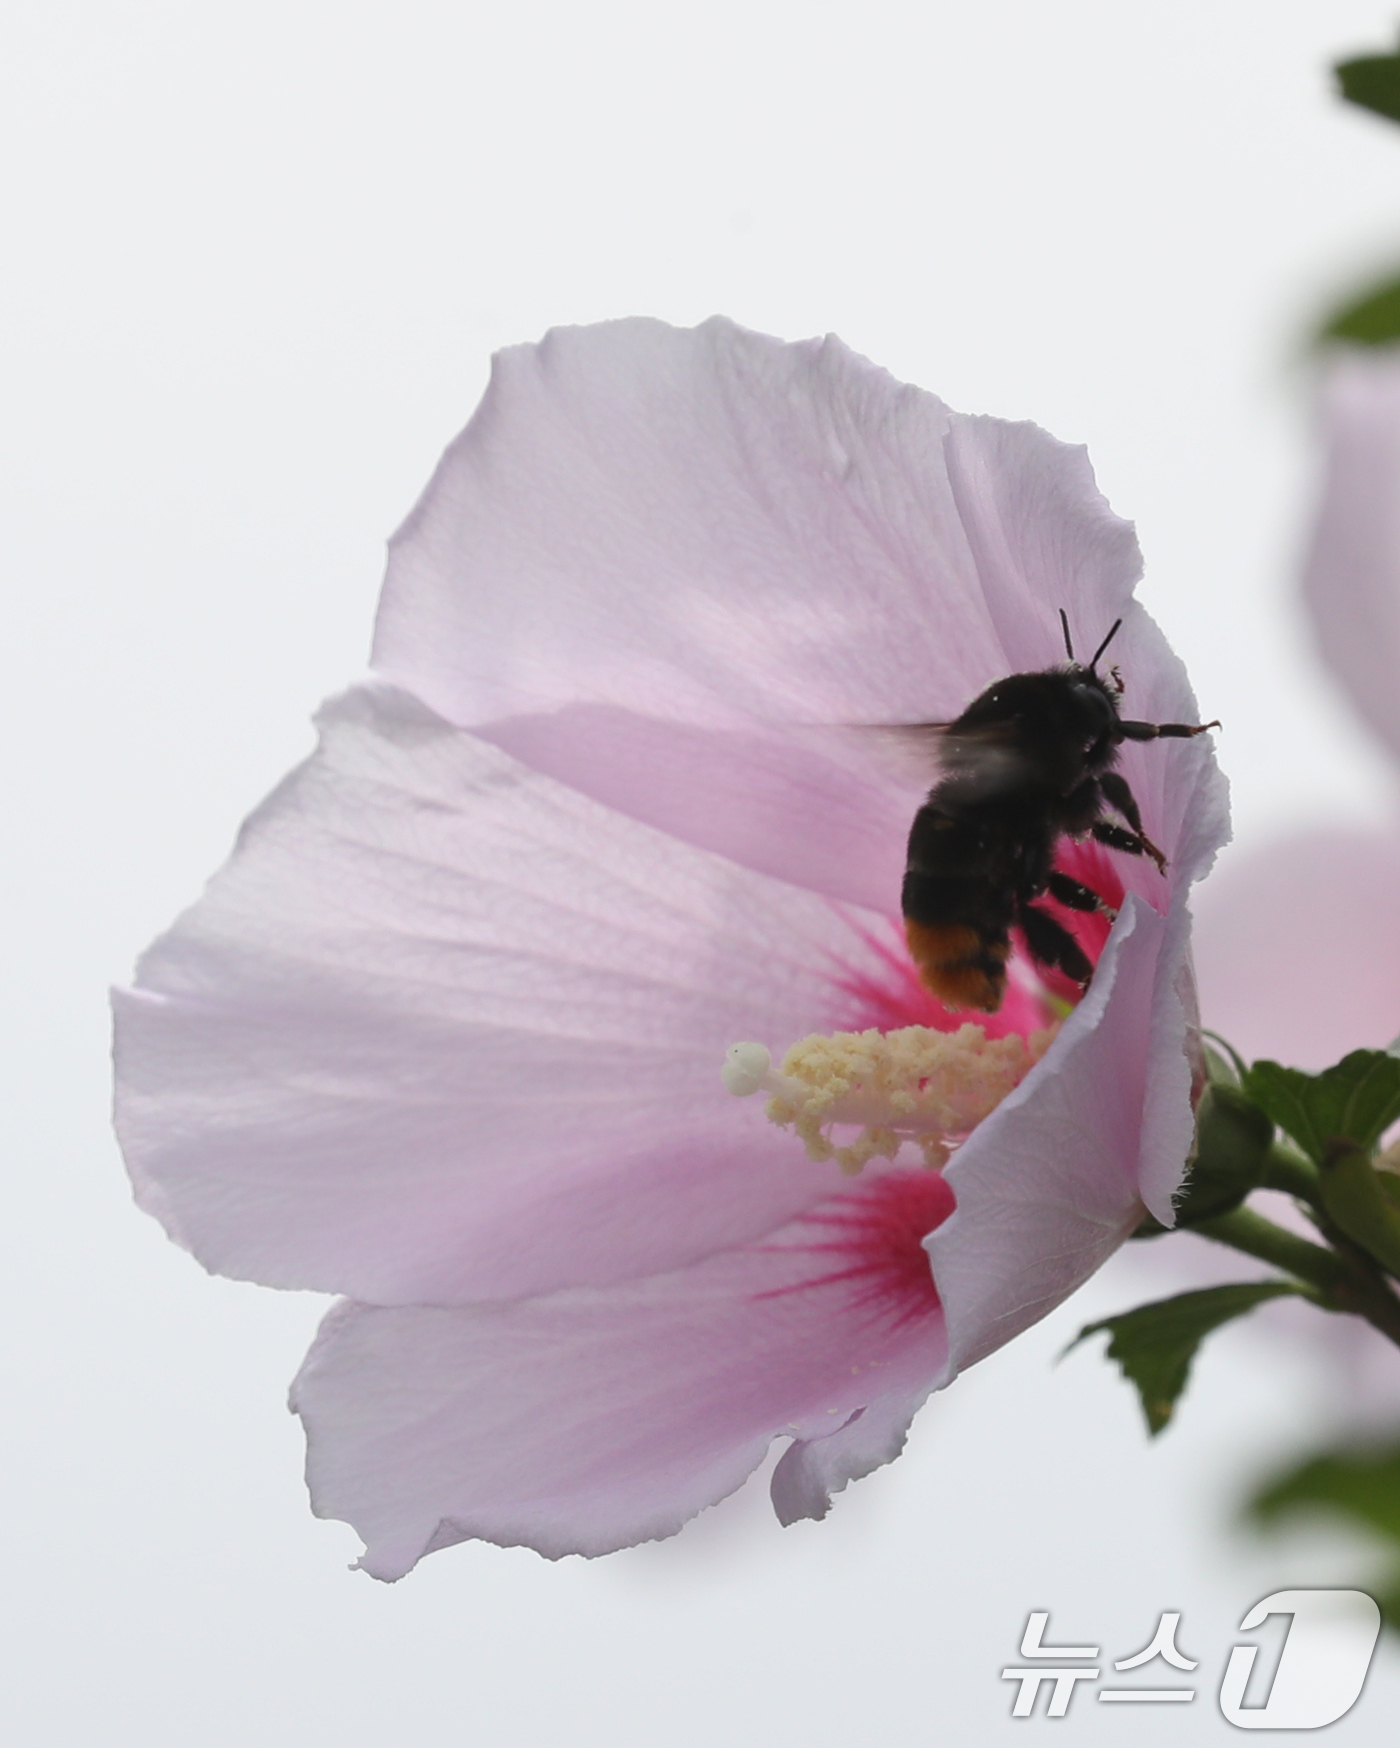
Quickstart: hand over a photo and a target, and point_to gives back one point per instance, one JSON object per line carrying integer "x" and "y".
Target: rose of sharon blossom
{"x": 1300, "y": 941}
{"x": 444, "y": 1035}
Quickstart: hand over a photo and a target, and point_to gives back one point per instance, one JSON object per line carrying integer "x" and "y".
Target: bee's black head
{"x": 1096, "y": 699}
{"x": 1093, "y": 701}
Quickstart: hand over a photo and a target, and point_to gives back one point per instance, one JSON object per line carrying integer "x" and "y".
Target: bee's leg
{"x": 1053, "y": 945}
{"x": 1078, "y": 896}
{"x": 1162, "y": 730}
{"x": 1133, "y": 842}
{"x": 1118, "y": 794}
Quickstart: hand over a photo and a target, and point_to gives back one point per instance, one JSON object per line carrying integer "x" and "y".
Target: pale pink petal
{"x": 1040, "y": 535}
{"x": 1352, "y": 577}
{"x": 584, "y": 1421}
{"x": 1056, "y": 1178}
{"x": 817, "y": 813}
{"x": 713, "y": 527}
{"x": 811, "y": 1469}
{"x": 443, "y": 1029}
{"x": 1298, "y": 947}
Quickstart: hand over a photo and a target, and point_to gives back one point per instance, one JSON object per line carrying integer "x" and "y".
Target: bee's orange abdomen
{"x": 959, "y": 964}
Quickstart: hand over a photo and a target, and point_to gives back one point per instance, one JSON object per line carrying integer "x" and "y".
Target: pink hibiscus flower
{"x": 1278, "y": 922}
{"x": 444, "y": 1035}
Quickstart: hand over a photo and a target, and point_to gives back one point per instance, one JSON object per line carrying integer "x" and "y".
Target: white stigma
{"x": 916, "y": 1085}
{"x": 746, "y": 1069}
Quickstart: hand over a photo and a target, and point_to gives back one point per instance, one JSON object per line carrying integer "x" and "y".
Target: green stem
{"x": 1365, "y": 1292}
{"x": 1293, "y": 1172}
{"x": 1342, "y": 1280}
{"x": 1241, "y": 1068}
{"x": 1245, "y": 1230}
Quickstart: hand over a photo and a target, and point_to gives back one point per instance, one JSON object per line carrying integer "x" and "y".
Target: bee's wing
{"x": 984, "y": 762}
{"x": 909, "y": 754}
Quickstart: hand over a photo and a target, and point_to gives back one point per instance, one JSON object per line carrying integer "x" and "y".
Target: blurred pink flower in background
{"x": 444, "y": 1034}
{"x": 1298, "y": 945}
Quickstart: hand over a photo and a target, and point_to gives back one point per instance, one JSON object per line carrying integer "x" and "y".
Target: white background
{"x": 257, "y": 256}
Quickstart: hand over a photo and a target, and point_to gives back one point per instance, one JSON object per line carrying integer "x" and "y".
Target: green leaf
{"x": 1373, "y": 319}
{"x": 1373, "y": 82}
{"x": 1155, "y": 1344}
{"x": 1356, "y": 1101}
{"x": 1356, "y": 1200}
{"x": 1361, "y": 1481}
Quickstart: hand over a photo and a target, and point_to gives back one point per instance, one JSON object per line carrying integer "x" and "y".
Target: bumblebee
{"x": 1029, "y": 761}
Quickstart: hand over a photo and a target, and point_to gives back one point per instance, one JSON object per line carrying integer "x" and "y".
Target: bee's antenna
{"x": 1112, "y": 633}
{"x": 1069, "y": 647}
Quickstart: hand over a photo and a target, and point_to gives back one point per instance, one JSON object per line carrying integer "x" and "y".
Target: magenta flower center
{"x": 871, "y": 1239}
